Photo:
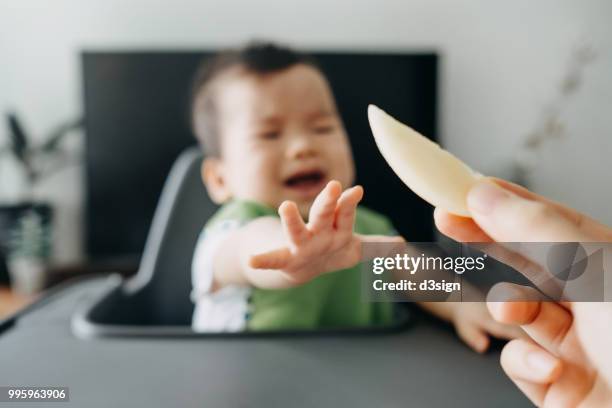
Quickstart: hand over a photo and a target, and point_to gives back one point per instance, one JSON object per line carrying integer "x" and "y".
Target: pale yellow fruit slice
{"x": 431, "y": 172}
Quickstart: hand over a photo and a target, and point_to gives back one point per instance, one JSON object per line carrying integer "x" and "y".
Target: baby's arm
{"x": 286, "y": 252}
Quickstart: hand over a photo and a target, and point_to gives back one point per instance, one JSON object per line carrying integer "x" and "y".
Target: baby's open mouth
{"x": 305, "y": 180}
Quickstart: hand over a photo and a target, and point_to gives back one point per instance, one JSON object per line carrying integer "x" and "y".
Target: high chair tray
{"x": 118, "y": 311}
{"x": 425, "y": 366}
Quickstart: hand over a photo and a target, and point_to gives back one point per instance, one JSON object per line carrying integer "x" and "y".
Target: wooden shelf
{"x": 11, "y": 302}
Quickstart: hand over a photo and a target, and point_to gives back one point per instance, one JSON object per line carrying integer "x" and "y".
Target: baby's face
{"x": 281, "y": 137}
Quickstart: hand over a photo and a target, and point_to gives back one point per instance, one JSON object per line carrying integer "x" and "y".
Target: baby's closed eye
{"x": 324, "y": 126}
{"x": 324, "y": 129}
{"x": 269, "y": 134}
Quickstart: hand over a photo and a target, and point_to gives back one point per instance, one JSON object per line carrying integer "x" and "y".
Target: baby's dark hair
{"x": 257, "y": 58}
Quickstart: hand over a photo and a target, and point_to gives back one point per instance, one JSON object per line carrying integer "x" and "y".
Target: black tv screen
{"x": 137, "y": 123}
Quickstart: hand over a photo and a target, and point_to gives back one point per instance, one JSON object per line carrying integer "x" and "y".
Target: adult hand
{"x": 567, "y": 360}
{"x": 505, "y": 212}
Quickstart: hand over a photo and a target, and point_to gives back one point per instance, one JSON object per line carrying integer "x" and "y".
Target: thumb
{"x": 507, "y": 217}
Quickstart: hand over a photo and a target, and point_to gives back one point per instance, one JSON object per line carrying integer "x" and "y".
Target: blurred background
{"x": 524, "y": 92}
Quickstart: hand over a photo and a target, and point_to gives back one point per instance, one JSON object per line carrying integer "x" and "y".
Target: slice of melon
{"x": 431, "y": 172}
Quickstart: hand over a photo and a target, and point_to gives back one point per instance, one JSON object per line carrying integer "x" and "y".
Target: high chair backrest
{"x": 165, "y": 269}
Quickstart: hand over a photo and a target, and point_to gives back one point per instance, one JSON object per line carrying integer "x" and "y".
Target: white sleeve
{"x": 224, "y": 310}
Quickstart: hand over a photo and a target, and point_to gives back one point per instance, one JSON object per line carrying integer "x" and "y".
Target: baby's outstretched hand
{"x": 326, "y": 243}
{"x": 474, "y": 324}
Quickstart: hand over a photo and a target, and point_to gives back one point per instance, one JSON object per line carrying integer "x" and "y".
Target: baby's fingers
{"x": 345, "y": 211}
{"x": 292, "y": 223}
{"x": 473, "y": 336}
{"x": 275, "y": 259}
{"x": 321, "y": 215}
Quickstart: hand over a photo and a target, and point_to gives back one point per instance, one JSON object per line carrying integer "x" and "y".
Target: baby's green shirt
{"x": 332, "y": 300}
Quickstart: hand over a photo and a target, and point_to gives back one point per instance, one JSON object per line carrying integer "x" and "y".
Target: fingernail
{"x": 495, "y": 308}
{"x": 541, "y": 362}
{"x": 485, "y": 196}
{"x": 483, "y": 344}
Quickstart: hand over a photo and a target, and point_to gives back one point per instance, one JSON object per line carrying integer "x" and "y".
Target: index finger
{"x": 547, "y": 323}
{"x": 508, "y": 212}
{"x": 292, "y": 223}
{"x": 321, "y": 215}
{"x": 461, "y": 229}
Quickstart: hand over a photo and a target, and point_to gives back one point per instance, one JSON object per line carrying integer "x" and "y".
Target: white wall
{"x": 503, "y": 62}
